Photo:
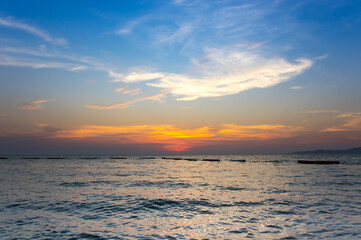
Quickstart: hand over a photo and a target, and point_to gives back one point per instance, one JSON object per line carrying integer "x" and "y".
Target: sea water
{"x": 266, "y": 197}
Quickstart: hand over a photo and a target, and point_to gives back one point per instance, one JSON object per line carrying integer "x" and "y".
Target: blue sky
{"x": 198, "y": 66}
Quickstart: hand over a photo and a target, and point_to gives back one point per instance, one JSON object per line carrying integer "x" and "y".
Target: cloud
{"x": 115, "y": 76}
{"x": 16, "y": 61}
{"x": 257, "y": 132}
{"x": 324, "y": 56}
{"x": 131, "y": 25}
{"x": 3, "y": 114}
{"x": 33, "y": 105}
{"x": 351, "y": 123}
{"x": 256, "y": 45}
{"x": 132, "y": 92}
{"x": 178, "y": 2}
{"x": 79, "y": 68}
{"x": 120, "y": 89}
{"x": 296, "y": 87}
{"x": 224, "y": 72}
{"x": 180, "y": 34}
{"x": 35, "y": 58}
{"x": 321, "y": 111}
{"x": 139, "y": 77}
{"x": 22, "y": 57}
{"x": 176, "y": 138}
{"x": 12, "y": 23}
{"x": 156, "y": 97}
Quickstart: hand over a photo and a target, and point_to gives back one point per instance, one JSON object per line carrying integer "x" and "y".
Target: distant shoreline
{"x": 320, "y": 151}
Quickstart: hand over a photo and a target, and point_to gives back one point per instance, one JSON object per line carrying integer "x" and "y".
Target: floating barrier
{"x": 3, "y": 158}
{"x": 118, "y": 158}
{"x": 177, "y": 158}
{"x": 167, "y": 158}
{"x": 147, "y": 158}
{"x": 88, "y": 158}
{"x": 55, "y": 158}
{"x": 275, "y": 161}
{"x": 237, "y": 160}
{"x": 190, "y": 159}
{"x": 317, "y": 162}
{"x": 31, "y": 158}
{"x": 211, "y": 159}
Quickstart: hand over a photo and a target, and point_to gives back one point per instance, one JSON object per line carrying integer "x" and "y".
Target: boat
{"x": 211, "y": 159}
{"x": 317, "y": 162}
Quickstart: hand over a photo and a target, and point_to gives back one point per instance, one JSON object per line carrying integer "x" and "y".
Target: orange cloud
{"x": 176, "y": 138}
{"x": 33, "y": 105}
{"x": 257, "y": 132}
{"x": 132, "y": 91}
{"x": 120, "y": 89}
{"x": 351, "y": 122}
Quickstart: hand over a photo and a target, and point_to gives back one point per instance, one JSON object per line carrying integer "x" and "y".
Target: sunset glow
{"x": 179, "y": 76}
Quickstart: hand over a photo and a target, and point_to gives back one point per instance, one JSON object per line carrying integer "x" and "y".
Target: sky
{"x": 179, "y": 77}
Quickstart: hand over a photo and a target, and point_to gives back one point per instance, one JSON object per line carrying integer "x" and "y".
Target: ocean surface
{"x": 266, "y": 197}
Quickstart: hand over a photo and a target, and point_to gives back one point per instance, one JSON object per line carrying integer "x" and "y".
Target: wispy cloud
{"x": 131, "y": 25}
{"x": 178, "y": 35}
{"x": 115, "y": 76}
{"x": 139, "y": 77}
{"x": 351, "y": 122}
{"x": 178, "y": 2}
{"x": 296, "y": 87}
{"x": 259, "y": 132}
{"x": 156, "y": 97}
{"x": 224, "y": 72}
{"x": 120, "y": 89}
{"x": 33, "y": 105}
{"x": 131, "y": 92}
{"x": 256, "y": 45}
{"x": 321, "y": 111}
{"x": 13, "y": 23}
{"x": 35, "y": 58}
{"x": 3, "y": 114}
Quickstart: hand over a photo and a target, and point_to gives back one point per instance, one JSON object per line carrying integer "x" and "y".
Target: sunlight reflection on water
{"x": 175, "y": 199}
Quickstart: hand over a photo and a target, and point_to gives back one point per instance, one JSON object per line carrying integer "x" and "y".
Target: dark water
{"x": 167, "y": 199}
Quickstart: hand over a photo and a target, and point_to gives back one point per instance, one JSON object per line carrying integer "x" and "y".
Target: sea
{"x": 147, "y": 197}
